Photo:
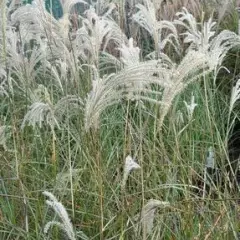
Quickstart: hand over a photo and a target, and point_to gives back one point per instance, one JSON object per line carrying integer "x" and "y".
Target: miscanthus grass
{"x": 123, "y": 140}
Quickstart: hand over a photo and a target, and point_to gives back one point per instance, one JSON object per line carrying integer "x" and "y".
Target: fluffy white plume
{"x": 44, "y": 111}
{"x": 130, "y": 165}
{"x": 129, "y": 54}
{"x": 190, "y": 107}
{"x": 235, "y": 95}
{"x": 146, "y": 17}
{"x": 148, "y": 213}
{"x": 59, "y": 209}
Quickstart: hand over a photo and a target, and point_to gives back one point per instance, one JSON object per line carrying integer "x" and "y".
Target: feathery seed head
{"x": 130, "y": 165}
{"x": 190, "y": 107}
{"x": 129, "y": 54}
{"x": 235, "y": 95}
{"x": 148, "y": 213}
{"x": 59, "y": 209}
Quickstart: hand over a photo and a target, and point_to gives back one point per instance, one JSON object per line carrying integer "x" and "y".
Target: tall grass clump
{"x": 116, "y": 113}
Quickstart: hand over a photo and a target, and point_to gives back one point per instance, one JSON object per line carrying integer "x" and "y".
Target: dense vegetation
{"x": 119, "y": 120}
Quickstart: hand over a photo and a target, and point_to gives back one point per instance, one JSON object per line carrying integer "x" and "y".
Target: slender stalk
{"x": 95, "y": 135}
{"x": 127, "y": 138}
{"x": 15, "y": 149}
{"x": 70, "y": 173}
{"x": 122, "y": 14}
{"x": 142, "y": 163}
{"x": 25, "y": 207}
{"x": 4, "y": 17}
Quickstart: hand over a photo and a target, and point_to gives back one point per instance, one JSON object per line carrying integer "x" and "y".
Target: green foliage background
{"x": 53, "y": 6}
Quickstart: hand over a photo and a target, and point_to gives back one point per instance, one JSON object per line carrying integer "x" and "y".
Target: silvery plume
{"x": 235, "y": 95}
{"x": 63, "y": 179}
{"x": 65, "y": 224}
{"x": 190, "y": 107}
{"x": 44, "y": 111}
{"x": 59, "y": 209}
{"x": 130, "y": 165}
{"x": 147, "y": 18}
{"x": 129, "y": 54}
{"x": 148, "y": 213}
